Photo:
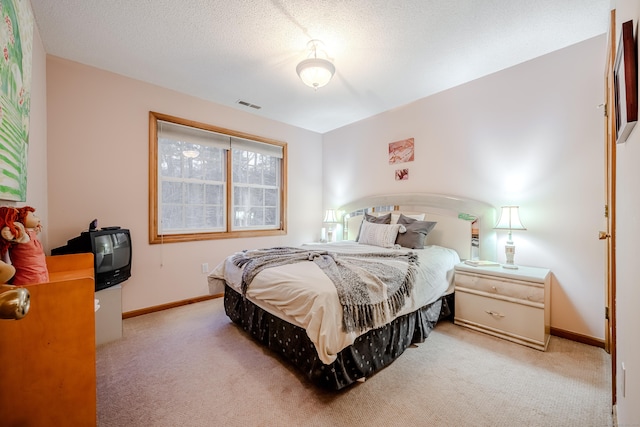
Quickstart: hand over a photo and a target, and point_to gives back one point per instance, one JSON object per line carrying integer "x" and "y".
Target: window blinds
{"x": 176, "y": 132}
{"x": 189, "y": 134}
{"x": 257, "y": 147}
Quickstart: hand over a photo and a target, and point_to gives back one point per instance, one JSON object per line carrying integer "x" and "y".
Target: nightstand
{"x": 510, "y": 304}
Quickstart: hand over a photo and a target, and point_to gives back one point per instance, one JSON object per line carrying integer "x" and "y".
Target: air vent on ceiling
{"x": 248, "y": 104}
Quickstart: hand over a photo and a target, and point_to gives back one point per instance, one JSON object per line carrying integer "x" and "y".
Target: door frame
{"x": 610, "y": 205}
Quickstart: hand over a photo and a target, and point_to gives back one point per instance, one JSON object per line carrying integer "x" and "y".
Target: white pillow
{"x": 380, "y": 234}
{"x": 394, "y": 217}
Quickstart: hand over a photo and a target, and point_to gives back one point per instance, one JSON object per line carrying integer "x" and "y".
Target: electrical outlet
{"x": 205, "y": 268}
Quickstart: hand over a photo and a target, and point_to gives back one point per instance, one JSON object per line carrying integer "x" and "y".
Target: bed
{"x": 289, "y": 299}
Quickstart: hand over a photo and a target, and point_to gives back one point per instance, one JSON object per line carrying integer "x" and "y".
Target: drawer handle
{"x": 494, "y": 288}
{"x": 493, "y": 313}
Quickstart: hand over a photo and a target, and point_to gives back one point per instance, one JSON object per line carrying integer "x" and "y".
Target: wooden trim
{"x": 284, "y": 165}
{"x": 584, "y": 339}
{"x": 153, "y": 176}
{"x": 161, "y": 307}
{"x": 193, "y": 237}
{"x": 154, "y": 226}
{"x": 610, "y": 193}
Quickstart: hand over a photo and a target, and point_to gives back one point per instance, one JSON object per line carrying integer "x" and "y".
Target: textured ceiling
{"x": 387, "y": 53}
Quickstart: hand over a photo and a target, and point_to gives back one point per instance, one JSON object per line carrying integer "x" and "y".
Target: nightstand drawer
{"x": 502, "y": 287}
{"x": 500, "y": 316}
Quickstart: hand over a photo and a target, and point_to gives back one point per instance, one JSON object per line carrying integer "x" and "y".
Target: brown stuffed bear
{"x": 19, "y": 228}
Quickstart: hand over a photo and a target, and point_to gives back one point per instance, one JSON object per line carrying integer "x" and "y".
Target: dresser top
{"x": 534, "y": 274}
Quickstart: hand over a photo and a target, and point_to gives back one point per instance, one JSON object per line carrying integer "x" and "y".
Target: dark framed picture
{"x": 625, "y": 80}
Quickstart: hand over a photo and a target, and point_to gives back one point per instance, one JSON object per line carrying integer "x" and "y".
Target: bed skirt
{"x": 369, "y": 353}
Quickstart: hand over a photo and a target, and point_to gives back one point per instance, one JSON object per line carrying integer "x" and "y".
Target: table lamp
{"x": 509, "y": 220}
{"x": 330, "y": 218}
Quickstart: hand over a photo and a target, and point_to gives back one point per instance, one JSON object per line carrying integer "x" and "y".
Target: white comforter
{"x": 303, "y": 295}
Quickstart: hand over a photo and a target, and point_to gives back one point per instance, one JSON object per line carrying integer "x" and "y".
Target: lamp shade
{"x": 315, "y": 72}
{"x": 509, "y": 219}
{"x": 330, "y": 216}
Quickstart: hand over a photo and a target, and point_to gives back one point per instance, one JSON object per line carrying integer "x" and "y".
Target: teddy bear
{"x": 19, "y": 229}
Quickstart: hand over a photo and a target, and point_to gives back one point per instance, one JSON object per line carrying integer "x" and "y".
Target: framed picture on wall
{"x": 401, "y": 151}
{"x": 625, "y": 80}
{"x": 16, "y": 42}
{"x": 402, "y": 174}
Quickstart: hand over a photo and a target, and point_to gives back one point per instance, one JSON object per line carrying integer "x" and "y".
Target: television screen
{"x": 112, "y": 254}
{"x": 112, "y": 251}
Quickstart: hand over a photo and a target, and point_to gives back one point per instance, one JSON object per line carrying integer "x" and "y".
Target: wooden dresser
{"x": 510, "y": 304}
{"x": 48, "y": 358}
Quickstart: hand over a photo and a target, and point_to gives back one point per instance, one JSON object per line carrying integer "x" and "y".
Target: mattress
{"x": 301, "y": 294}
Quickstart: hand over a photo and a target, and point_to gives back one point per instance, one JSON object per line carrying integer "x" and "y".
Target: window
{"x": 213, "y": 183}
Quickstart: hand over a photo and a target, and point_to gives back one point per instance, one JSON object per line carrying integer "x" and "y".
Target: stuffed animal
{"x": 7, "y": 216}
{"x": 20, "y": 227}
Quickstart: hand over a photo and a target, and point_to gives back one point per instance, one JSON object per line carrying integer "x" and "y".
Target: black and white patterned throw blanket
{"x": 372, "y": 287}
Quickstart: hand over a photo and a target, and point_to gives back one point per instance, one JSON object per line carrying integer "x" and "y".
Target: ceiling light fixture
{"x": 315, "y": 72}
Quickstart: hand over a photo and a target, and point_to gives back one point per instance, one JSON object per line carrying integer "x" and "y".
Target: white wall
{"x": 627, "y": 232}
{"x": 531, "y": 135}
{"x": 98, "y": 159}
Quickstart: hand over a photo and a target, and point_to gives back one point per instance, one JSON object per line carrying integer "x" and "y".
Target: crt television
{"x": 111, "y": 248}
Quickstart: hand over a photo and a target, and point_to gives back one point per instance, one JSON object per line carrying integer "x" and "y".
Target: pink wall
{"x": 530, "y": 135}
{"x": 98, "y": 168}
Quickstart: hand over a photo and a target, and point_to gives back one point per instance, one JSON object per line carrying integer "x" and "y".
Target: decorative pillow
{"x": 382, "y": 219}
{"x": 395, "y": 217}
{"x": 380, "y": 234}
{"x": 416, "y": 233}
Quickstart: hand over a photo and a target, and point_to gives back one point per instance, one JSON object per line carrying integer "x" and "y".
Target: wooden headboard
{"x": 454, "y": 215}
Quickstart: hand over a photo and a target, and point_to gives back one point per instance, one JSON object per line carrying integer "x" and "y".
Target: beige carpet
{"x": 190, "y": 366}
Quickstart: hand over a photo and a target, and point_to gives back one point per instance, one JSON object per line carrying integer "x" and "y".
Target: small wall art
{"x": 401, "y": 151}
{"x": 402, "y": 174}
{"x": 16, "y": 41}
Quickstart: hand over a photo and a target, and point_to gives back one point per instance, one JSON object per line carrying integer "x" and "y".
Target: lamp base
{"x": 329, "y": 235}
{"x": 510, "y": 251}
